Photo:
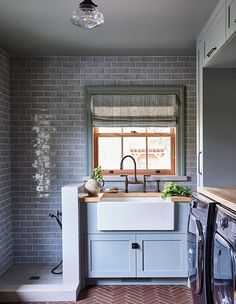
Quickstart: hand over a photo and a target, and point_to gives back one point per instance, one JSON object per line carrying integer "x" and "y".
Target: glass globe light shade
{"x": 87, "y": 16}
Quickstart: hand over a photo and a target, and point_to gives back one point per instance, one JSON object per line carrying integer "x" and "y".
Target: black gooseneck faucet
{"x": 136, "y": 181}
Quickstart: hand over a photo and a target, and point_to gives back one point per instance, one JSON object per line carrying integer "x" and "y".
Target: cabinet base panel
{"x": 137, "y": 281}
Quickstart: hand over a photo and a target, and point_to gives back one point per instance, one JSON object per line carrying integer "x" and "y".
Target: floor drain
{"x": 34, "y": 278}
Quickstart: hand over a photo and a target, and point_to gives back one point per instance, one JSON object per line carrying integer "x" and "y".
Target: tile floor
{"x": 132, "y": 295}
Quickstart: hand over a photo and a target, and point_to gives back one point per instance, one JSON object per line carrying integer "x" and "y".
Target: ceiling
{"x": 132, "y": 27}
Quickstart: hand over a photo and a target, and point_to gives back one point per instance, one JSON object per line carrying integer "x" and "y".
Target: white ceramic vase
{"x": 92, "y": 187}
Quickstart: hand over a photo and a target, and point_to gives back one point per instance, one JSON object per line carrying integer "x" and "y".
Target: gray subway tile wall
{"x": 56, "y": 84}
{"x": 6, "y": 255}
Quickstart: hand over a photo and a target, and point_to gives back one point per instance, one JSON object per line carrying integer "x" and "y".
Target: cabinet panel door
{"x": 231, "y": 18}
{"x": 162, "y": 256}
{"x": 215, "y": 36}
{"x": 111, "y": 256}
{"x": 200, "y": 113}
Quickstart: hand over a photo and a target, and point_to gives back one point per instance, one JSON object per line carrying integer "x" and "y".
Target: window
{"x": 152, "y": 148}
{"x": 146, "y": 122}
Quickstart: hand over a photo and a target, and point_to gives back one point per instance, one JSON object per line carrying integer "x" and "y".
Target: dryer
{"x": 224, "y": 257}
{"x": 200, "y": 236}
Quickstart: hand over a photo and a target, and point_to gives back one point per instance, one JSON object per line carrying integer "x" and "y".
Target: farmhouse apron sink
{"x": 135, "y": 213}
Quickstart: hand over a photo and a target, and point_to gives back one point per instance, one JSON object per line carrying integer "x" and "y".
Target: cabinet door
{"x": 215, "y": 36}
{"x": 162, "y": 255}
{"x": 111, "y": 256}
{"x": 231, "y": 18}
{"x": 200, "y": 113}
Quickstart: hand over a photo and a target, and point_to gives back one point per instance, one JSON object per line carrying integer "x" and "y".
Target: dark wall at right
{"x": 219, "y": 139}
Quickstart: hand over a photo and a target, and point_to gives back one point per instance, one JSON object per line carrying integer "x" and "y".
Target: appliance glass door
{"x": 195, "y": 254}
{"x": 223, "y": 272}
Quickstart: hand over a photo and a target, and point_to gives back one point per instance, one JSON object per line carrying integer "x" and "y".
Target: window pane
{"x": 134, "y": 130}
{"x": 109, "y": 130}
{"x": 158, "y": 130}
{"x": 136, "y": 147}
{"x": 159, "y": 153}
{"x": 109, "y": 152}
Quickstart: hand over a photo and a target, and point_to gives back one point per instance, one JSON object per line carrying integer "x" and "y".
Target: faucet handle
{"x": 126, "y": 182}
{"x": 144, "y": 177}
{"x": 126, "y": 177}
{"x": 144, "y": 182}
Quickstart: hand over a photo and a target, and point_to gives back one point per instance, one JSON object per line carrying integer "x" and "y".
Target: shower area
{"x": 54, "y": 279}
{"x": 32, "y": 158}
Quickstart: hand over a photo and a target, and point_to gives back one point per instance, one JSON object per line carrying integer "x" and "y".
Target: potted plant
{"x": 172, "y": 189}
{"x": 95, "y": 182}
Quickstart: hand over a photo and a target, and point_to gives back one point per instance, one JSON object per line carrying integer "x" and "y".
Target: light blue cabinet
{"x": 215, "y": 36}
{"x": 231, "y": 18}
{"x": 111, "y": 256}
{"x": 162, "y": 255}
{"x": 200, "y": 113}
{"x": 157, "y": 256}
{"x": 218, "y": 36}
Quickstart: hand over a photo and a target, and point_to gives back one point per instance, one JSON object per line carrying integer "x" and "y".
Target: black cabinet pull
{"x": 135, "y": 246}
{"x": 199, "y": 162}
{"x": 229, "y": 16}
{"x": 211, "y": 51}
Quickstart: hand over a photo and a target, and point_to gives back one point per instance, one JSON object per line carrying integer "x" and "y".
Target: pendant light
{"x": 87, "y": 16}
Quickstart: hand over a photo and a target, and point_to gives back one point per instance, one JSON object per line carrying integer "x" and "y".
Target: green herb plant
{"x": 172, "y": 189}
{"x": 97, "y": 174}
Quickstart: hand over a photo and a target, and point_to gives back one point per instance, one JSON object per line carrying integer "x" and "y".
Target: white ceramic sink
{"x": 135, "y": 213}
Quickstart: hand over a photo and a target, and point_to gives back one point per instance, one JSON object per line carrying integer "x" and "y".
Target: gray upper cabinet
{"x": 215, "y": 36}
{"x": 218, "y": 36}
{"x": 199, "y": 71}
{"x": 216, "y": 95}
{"x": 231, "y": 18}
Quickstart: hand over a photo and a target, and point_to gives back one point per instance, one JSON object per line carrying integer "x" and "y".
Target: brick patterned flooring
{"x": 136, "y": 295}
{"x": 132, "y": 295}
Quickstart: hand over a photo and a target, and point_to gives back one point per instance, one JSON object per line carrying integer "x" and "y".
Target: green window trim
{"x": 179, "y": 91}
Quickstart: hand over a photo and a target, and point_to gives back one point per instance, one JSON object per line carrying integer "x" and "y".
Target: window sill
{"x": 151, "y": 178}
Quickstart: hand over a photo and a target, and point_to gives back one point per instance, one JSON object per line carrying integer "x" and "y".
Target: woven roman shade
{"x": 134, "y": 110}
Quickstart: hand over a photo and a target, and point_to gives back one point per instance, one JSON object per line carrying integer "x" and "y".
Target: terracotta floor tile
{"x": 131, "y": 295}
{"x": 136, "y": 295}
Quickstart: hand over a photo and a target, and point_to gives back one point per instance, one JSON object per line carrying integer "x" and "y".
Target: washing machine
{"x": 200, "y": 239}
{"x": 224, "y": 257}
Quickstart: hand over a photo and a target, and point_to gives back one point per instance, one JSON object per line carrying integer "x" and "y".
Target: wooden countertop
{"x": 224, "y": 196}
{"x": 176, "y": 199}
